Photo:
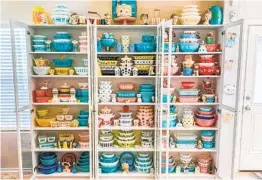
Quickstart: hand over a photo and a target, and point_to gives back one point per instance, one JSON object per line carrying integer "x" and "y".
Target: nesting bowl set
{"x": 171, "y": 164}
{"x": 61, "y": 14}
{"x": 108, "y": 163}
{"x": 39, "y": 43}
{"x": 189, "y": 41}
{"x": 48, "y": 164}
{"x": 205, "y": 116}
{"x": 83, "y": 164}
{"x": 147, "y": 92}
{"x": 143, "y": 163}
{"x": 147, "y": 45}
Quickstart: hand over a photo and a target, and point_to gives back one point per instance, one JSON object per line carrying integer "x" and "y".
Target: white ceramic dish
{"x": 41, "y": 70}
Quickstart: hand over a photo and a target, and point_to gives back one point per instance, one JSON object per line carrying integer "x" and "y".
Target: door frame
{"x": 242, "y": 79}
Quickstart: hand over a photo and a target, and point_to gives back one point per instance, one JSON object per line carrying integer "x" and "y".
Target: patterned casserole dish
{"x": 144, "y": 57}
{"x": 145, "y": 62}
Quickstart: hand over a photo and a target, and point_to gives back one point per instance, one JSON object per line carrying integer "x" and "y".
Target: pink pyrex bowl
{"x": 126, "y": 86}
{"x": 205, "y": 123}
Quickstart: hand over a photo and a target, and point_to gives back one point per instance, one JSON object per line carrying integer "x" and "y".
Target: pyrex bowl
{"x": 205, "y": 109}
{"x": 83, "y": 112}
{"x": 146, "y": 86}
{"x": 83, "y": 122}
{"x": 147, "y": 96}
{"x": 82, "y": 99}
{"x": 41, "y": 70}
{"x": 48, "y": 155}
{"x": 82, "y": 93}
{"x": 205, "y": 116}
{"x": 81, "y": 70}
{"x": 38, "y": 42}
{"x": 60, "y": 19}
{"x": 62, "y": 45}
{"x": 188, "y": 47}
{"x": 48, "y": 162}
{"x": 109, "y": 169}
{"x": 82, "y": 168}
{"x": 47, "y": 169}
{"x": 39, "y": 48}
{"x": 207, "y": 133}
{"x": 186, "y": 35}
{"x": 208, "y": 144}
{"x": 148, "y": 38}
{"x": 189, "y": 20}
{"x": 170, "y": 169}
{"x": 62, "y": 35}
{"x": 63, "y": 62}
{"x": 83, "y": 163}
{"x": 39, "y": 37}
{"x": 204, "y": 122}
{"x": 145, "y": 47}
{"x": 83, "y": 116}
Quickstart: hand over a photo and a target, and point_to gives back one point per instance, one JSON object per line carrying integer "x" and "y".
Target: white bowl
{"x": 81, "y": 70}
{"x": 64, "y": 99}
{"x": 184, "y": 10}
{"x": 190, "y": 14}
{"x": 190, "y": 20}
{"x": 41, "y": 70}
{"x": 83, "y": 85}
{"x": 191, "y": 6}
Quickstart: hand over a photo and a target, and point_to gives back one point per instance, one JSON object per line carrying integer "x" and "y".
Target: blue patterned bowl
{"x": 63, "y": 62}
{"x": 208, "y": 144}
{"x": 62, "y": 45}
{"x": 170, "y": 169}
{"x": 60, "y": 19}
{"x": 39, "y": 48}
{"x": 188, "y": 47}
{"x": 39, "y": 37}
{"x": 207, "y": 133}
{"x": 191, "y": 36}
{"x": 47, "y": 155}
{"x": 83, "y": 168}
{"x": 148, "y": 38}
{"x": 145, "y": 47}
{"x": 47, "y": 169}
{"x": 147, "y": 96}
{"x": 38, "y": 42}
{"x": 173, "y": 48}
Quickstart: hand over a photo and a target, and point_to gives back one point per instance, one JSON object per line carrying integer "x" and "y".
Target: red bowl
{"x": 40, "y": 93}
{"x": 43, "y": 99}
{"x": 204, "y": 113}
{"x": 187, "y": 84}
{"x": 213, "y": 47}
{"x": 64, "y": 95}
{"x": 207, "y": 70}
{"x": 49, "y": 93}
{"x": 208, "y": 60}
{"x": 205, "y": 123}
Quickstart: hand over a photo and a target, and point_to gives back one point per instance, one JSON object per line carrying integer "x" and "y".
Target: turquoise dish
{"x": 207, "y": 133}
{"x": 83, "y": 168}
{"x": 148, "y": 38}
{"x": 170, "y": 169}
{"x": 147, "y": 96}
{"x": 126, "y": 94}
{"x": 205, "y": 109}
{"x": 39, "y": 37}
{"x": 48, "y": 162}
{"x": 145, "y": 47}
{"x": 48, "y": 155}
{"x": 63, "y": 62}
{"x": 84, "y": 112}
{"x": 188, "y": 47}
{"x": 39, "y": 48}
{"x": 146, "y": 89}
{"x": 38, "y": 42}
{"x": 83, "y": 122}
{"x": 146, "y": 86}
{"x": 62, "y": 45}
{"x": 208, "y": 144}
{"x": 109, "y": 169}
{"x": 192, "y": 92}
{"x": 82, "y": 99}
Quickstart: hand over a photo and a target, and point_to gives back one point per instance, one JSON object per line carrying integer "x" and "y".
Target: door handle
{"x": 247, "y": 108}
{"x": 248, "y": 98}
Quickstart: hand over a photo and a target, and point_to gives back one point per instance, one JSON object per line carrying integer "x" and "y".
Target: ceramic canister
{"x": 125, "y": 42}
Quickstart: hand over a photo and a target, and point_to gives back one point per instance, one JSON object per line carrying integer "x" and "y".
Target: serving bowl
{"x": 188, "y": 47}
{"x": 41, "y": 62}
{"x": 126, "y": 86}
{"x": 38, "y": 42}
{"x": 47, "y": 169}
{"x": 39, "y": 48}
{"x": 48, "y": 155}
{"x": 187, "y": 84}
{"x": 48, "y": 162}
{"x": 62, "y": 45}
{"x": 39, "y": 37}
{"x": 63, "y": 62}
{"x": 145, "y": 47}
{"x": 62, "y": 71}
{"x": 213, "y": 47}
{"x": 42, "y": 112}
{"x": 81, "y": 70}
{"x": 83, "y": 168}
{"x": 41, "y": 70}
{"x": 190, "y": 20}
{"x": 60, "y": 19}
{"x": 44, "y": 122}
{"x": 205, "y": 122}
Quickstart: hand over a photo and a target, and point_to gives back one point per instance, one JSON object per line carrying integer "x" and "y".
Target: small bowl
{"x": 39, "y": 48}
{"x": 84, "y": 112}
{"x": 41, "y": 70}
{"x": 187, "y": 84}
{"x": 42, "y": 112}
{"x": 83, "y": 122}
{"x": 205, "y": 109}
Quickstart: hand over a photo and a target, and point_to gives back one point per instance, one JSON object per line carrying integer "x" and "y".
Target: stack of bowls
{"x": 108, "y": 162}
{"x": 41, "y": 66}
{"x": 62, "y": 66}
{"x": 64, "y": 93}
{"x": 83, "y": 42}
{"x": 61, "y": 14}
{"x": 171, "y": 164}
{"x": 147, "y": 45}
{"x": 143, "y": 163}
{"x": 147, "y": 92}
{"x": 82, "y": 94}
{"x": 48, "y": 164}
{"x": 83, "y": 118}
{"x": 190, "y": 15}
{"x": 126, "y": 138}
{"x": 106, "y": 139}
{"x": 207, "y": 138}
{"x": 189, "y": 41}
{"x": 147, "y": 139}
{"x": 204, "y": 162}
{"x": 38, "y": 42}
{"x": 62, "y": 42}
{"x": 83, "y": 164}
{"x": 205, "y": 116}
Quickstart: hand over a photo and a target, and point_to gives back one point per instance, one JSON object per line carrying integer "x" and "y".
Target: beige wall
{"x": 21, "y": 10}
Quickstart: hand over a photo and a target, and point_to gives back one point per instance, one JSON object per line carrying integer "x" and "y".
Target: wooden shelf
{"x": 129, "y": 104}
{"x": 78, "y": 174}
{"x": 60, "y": 128}
{"x": 58, "y": 76}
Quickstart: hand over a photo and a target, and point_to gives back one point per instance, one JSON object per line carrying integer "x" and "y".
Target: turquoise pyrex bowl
{"x": 39, "y": 37}
{"x": 108, "y": 42}
{"x": 169, "y": 169}
{"x": 208, "y": 144}
{"x": 63, "y": 62}
{"x": 207, "y": 133}
{"x": 145, "y": 47}
{"x": 126, "y": 94}
{"x": 62, "y": 45}
{"x": 147, "y": 96}
{"x": 188, "y": 47}
{"x": 148, "y": 38}
{"x": 85, "y": 168}
{"x": 84, "y": 112}
{"x": 48, "y": 162}
{"x": 146, "y": 86}
{"x": 47, "y": 155}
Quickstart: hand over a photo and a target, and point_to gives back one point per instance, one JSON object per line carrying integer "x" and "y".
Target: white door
{"x": 232, "y": 38}
{"x": 251, "y": 141}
